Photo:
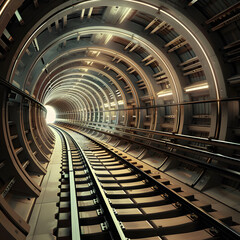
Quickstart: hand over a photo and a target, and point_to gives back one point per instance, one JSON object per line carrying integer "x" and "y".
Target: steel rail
{"x": 114, "y": 225}
{"x": 75, "y": 227}
{"x": 20, "y": 92}
{"x": 231, "y": 174}
{"x": 206, "y": 217}
{"x": 225, "y": 230}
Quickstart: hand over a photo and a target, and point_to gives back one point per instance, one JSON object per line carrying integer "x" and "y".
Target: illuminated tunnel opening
{"x": 51, "y": 114}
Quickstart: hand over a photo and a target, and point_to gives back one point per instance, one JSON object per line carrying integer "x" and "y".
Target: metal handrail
{"x": 204, "y": 153}
{"x": 20, "y": 92}
{"x": 209, "y": 141}
{"x": 232, "y": 174}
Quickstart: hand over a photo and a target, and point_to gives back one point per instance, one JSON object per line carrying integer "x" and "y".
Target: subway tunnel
{"x": 154, "y": 81}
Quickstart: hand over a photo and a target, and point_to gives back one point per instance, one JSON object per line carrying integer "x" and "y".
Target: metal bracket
{"x": 104, "y": 226}
{"x": 193, "y": 217}
{"x": 177, "y": 205}
{"x": 121, "y": 225}
{"x": 145, "y": 181}
{"x": 165, "y": 196}
{"x": 213, "y": 231}
{"x": 65, "y": 175}
{"x": 99, "y": 212}
{"x": 155, "y": 188}
{"x": 115, "y": 211}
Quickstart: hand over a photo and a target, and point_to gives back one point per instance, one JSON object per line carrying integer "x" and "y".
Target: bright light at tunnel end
{"x": 51, "y": 114}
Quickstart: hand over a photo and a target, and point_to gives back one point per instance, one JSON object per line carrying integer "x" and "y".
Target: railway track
{"x": 106, "y": 196}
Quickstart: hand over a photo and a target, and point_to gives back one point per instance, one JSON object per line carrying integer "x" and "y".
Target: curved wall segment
{"x": 154, "y": 69}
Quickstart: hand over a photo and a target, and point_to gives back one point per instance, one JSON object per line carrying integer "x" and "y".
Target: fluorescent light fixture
{"x": 120, "y": 102}
{"x": 90, "y": 12}
{"x": 112, "y": 104}
{"x": 164, "y": 93}
{"x": 196, "y": 87}
{"x": 35, "y": 44}
{"x": 84, "y": 69}
{"x": 192, "y": 2}
{"x": 108, "y": 38}
{"x": 82, "y": 13}
{"x": 125, "y": 14}
{"x": 19, "y": 18}
{"x": 96, "y": 53}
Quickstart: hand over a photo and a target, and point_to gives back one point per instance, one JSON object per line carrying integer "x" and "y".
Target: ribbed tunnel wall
{"x": 128, "y": 63}
{"x": 153, "y": 69}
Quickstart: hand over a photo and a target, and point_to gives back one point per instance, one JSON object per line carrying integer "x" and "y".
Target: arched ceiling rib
{"x": 106, "y": 56}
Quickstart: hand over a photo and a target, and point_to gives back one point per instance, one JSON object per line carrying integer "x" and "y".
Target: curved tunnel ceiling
{"x": 158, "y": 80}
{"x": 132, "y": 63}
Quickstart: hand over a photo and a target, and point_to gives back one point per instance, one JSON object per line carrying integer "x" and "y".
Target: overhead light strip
{"x": 165, "y": 93}
{"x": 196, "y": 87}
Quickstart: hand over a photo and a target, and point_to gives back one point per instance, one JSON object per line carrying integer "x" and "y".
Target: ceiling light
{"x": 120, "y": 102}
{"x": 165, "y": 93}
{"x": 196, "y": 87}
{"x": 83, "y": 69}
{"x": 112, "y": 104}
{"x": 192, "y": 2}
{"x": 108, "y": 38}
{"x": 125, "y": 14}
